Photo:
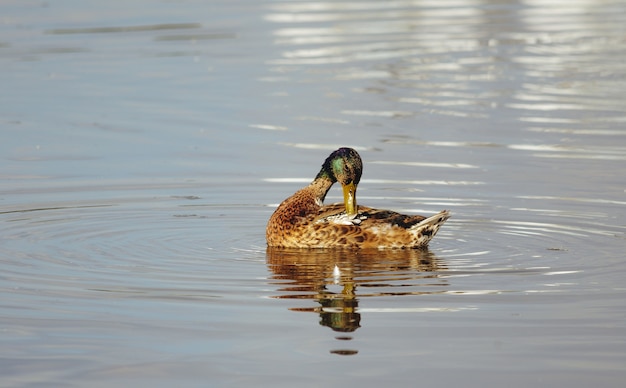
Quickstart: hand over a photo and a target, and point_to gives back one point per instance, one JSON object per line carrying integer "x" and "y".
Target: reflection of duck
{"x": 341, "y": 313}
{"x": 301, "y": 221}
{"x": 308, "y": 271}
{"x": 311, "y": 274}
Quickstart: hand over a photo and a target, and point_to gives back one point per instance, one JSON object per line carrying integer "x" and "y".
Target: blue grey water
{"x": 145, "y": 145}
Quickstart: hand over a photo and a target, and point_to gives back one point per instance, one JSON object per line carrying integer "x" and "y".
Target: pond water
{"x": 144, "y": 147}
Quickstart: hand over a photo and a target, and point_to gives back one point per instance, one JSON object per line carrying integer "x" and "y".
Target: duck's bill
{"x": 349, "y": 198}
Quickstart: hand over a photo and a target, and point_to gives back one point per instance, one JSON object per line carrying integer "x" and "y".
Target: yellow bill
{"x": 349, "y": 198}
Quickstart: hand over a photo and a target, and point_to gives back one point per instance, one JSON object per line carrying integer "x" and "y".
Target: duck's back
{"x": 330, "y": 227}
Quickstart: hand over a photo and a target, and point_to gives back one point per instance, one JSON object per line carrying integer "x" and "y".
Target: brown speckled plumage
{"x": 301, "y": 221}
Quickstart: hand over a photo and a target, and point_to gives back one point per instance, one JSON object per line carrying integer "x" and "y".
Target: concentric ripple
{"x": 471, "y": 265}
{"x": 148, "y": 248}
{"x": 512, "y": 251}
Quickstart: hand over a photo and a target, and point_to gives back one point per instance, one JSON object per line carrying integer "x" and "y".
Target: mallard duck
{"x": 302, "y": 221}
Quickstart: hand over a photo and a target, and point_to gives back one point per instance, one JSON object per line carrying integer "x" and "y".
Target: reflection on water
{"x": 309, "y": 271}
{"x": 337, "y": 280}
{"x": 556, "y": 65}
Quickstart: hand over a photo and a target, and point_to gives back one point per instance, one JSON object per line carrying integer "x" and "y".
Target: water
{"x": 145, "y": 147}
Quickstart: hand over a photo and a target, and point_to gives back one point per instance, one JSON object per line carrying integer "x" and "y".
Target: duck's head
{"x": 344, "y": 166}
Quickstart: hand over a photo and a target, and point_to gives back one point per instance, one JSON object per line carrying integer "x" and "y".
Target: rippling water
{"x": 145, "y": 147}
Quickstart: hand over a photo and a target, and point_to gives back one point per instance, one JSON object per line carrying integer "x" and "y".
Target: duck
{"x": 303, "y": 221}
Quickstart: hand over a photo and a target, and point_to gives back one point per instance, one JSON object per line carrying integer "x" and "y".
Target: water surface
{"x": 144, "y": 148}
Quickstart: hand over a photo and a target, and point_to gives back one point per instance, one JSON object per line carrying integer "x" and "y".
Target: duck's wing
{"x": 371, "y": 228}
{"x": 389, "y": 229}
{"x": 370, "y": 216}
{"x": 335, "y": 214}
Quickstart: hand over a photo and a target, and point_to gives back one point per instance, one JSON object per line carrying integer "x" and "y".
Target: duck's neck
{"x": 320, "y": 187}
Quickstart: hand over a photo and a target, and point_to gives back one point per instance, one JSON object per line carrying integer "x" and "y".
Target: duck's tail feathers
{"x": 424, "y": 231}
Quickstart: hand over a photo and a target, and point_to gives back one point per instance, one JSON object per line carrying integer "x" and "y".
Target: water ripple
{"x": 530, "y": 248}
{"x": 147, "y": 249}
{"x": 450, "y": 58}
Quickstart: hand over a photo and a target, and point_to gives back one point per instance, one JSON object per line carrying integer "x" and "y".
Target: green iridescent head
{"x": 344, "y": 166}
